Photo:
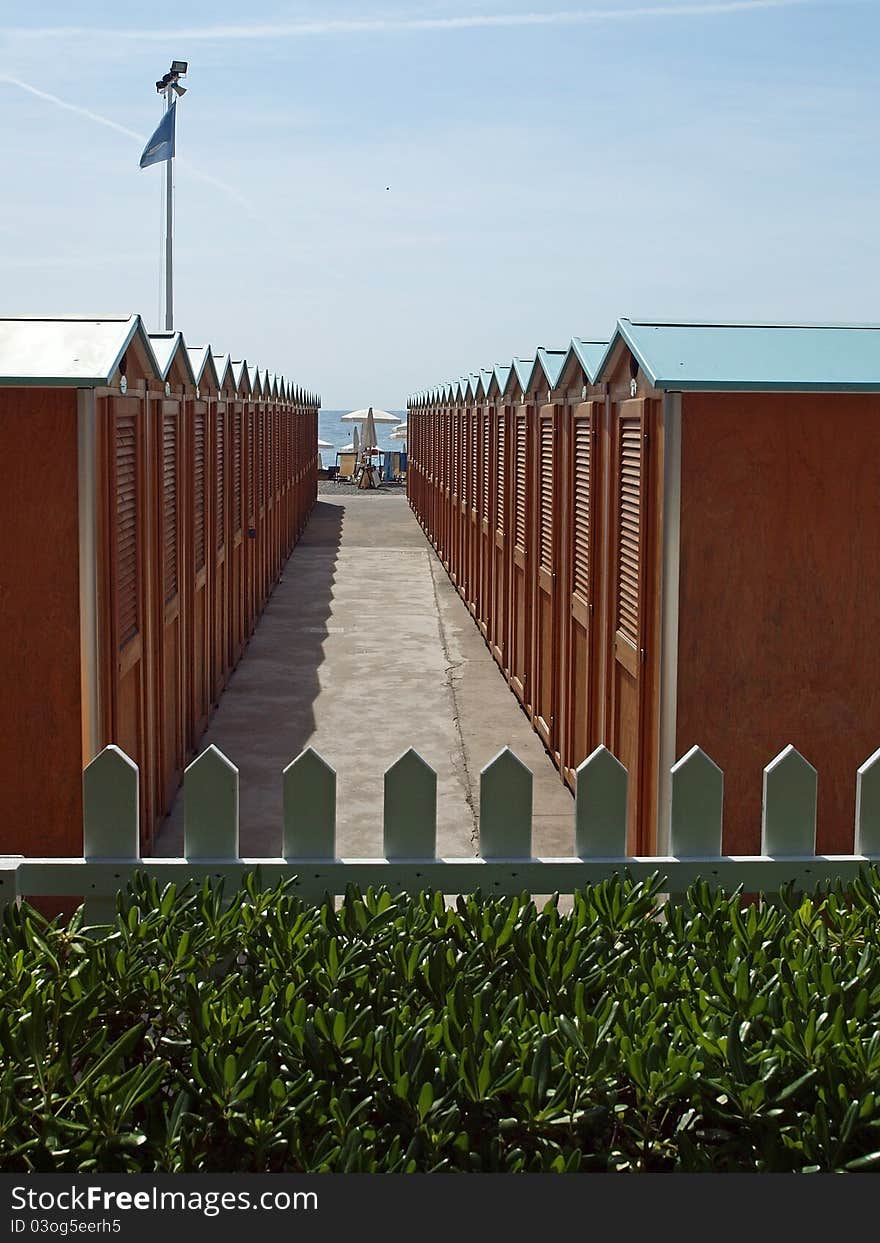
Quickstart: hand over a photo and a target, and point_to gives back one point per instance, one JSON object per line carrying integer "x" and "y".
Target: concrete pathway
{"x": 365, "y": 649}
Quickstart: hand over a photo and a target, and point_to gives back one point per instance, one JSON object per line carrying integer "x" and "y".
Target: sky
{"x": 373, "y": 199}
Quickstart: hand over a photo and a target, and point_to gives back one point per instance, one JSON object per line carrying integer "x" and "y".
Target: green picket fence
{"x": 505, "y": 865}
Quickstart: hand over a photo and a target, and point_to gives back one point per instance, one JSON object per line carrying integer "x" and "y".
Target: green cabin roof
{"x": 753, "y": 357}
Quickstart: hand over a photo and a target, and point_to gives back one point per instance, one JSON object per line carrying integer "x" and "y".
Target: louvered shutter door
{"x": 519, "y": 515}
{"x": 484, "y": 499}
{"x": 546, "y": 495}
{"x": 582, "y": 493}
{"x": 199, "y": 490}
{"x": 128, "y": 617}
{"x": 220, "y": 480}
{"x": 261, "y": 422}
{"x": 169, "y": 505}
{"x": 629, "y": 547}
{"x": 252, "y": 450}
{"x": 236, "y": 473}
{"x": 473, "y": 488}
{"x": 500, "y": 472}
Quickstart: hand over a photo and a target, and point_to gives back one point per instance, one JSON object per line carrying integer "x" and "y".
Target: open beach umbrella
{"x": 325, "y": 444}
{"x": 360, "y": 416}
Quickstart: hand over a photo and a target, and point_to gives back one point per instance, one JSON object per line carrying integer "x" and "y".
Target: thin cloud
{"x": 108, "y": 123}
{"x": 393, "y": 25}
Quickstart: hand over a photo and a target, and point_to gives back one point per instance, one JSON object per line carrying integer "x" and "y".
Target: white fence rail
{"x": 505, "y": 865}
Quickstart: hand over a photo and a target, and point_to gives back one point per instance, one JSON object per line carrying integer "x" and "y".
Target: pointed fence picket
{"x": 307, "y": 846}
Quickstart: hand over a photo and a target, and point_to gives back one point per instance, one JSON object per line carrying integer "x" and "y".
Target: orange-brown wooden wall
{"x": 779, "y": 607}
{"x": 186, "y": 557}
{"x": 223, "y": 490}
{"x": 40, "y": 730}
{"x": 556, "y": 544}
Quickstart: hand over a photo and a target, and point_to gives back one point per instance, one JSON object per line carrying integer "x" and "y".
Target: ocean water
{"x": 338, "y": 433}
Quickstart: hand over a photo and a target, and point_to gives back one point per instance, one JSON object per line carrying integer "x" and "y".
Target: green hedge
{"x": 397, "y": 1035}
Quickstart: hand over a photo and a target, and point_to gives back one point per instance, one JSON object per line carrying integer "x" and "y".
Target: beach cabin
{"x": 238, "y": 632}
{"x": 744, "y": 577}
{"x": 497, "y": 609}
{"x": 483, "y": 557}
{"x": 579, "y": 409}
{"x": 118, "y": 571}
{"x": 543, "y": 540}
{"x": 174, "y": 385}
{"x": 520, "y": 498}
{"x": 74, "y": 568}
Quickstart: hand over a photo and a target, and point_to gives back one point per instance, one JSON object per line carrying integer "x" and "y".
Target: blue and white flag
{"x": 161, "y": 145}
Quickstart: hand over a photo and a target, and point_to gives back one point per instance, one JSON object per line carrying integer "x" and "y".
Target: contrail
{"x": 129, "y": 133}
{"x": 62, "y": 103}
{"x": 392, "y": 25}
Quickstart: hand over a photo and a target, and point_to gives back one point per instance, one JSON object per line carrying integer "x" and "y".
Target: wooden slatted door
{"x": 455, "y": 483}
{"x": 581, "y": 659}
{"x": 500, "y": 609}
{"x": 220, "y": 540}
{"x": 250, "y": 504}
{"x": 260, "y": 473}
{"x": 236, "y": 526}
{"x": 271, "y": 497}
{"x": 473, "y": 527}
{"x": 462, "y": 510}
{"x": 484, "y": 560}
{"x": 199, "y": 609}
{"x": 628, "y": 603}
{"x": 545, "y": 562}
{"x": 433, "y": 449}
{"x": 520, "y": 594}
{"x": 127, "y": 716}
{"x": 446, "y": 546}
{"x": 170, "y": 650}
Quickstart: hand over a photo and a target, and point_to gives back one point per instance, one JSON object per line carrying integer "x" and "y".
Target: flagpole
{"x": 161, "y": 148}
{"x": 169, "y": 269}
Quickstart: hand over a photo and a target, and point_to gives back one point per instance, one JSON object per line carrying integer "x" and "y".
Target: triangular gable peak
{"x": 500, "y": 376}
{"x": 579, "y": 369}
{"x": 241, "y": 378}
{"x": 256, "y": 382}
{"x": 544, "y": 374}
{"x": 204, "y": 369}
{"x": 225, "y": 376}
{"x": 473, "y": 388}
{"x": 76, "y": 352}
{"x": 267, "y": 385}
{"x": 483, "y": 386}
{"x": 622, "y": 366}
{"x": 175, "y": 369}
{"x": 518, "y": 379}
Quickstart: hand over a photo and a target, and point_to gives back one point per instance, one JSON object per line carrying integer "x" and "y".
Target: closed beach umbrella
{"x": 355, "y": 441}
{"x": 369, "y": 439}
